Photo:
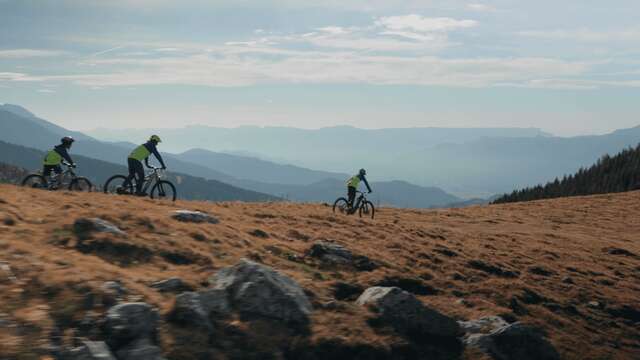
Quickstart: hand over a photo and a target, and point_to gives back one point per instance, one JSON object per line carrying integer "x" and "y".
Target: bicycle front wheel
{"x": 367, "y": 209}
{"x": 164, "y": 190}
{"x": 341, "y": 206}
{"x": 116, "y": 185}
{"x": 80, "y": 184}
{"x": 35, "y": 181}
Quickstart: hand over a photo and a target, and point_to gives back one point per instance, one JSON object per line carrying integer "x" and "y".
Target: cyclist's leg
{"x": 57, "y": 177}
{"x": 132, "y": 174}
{"x": 351, "y": 192}
{"x": 136, "y": 167}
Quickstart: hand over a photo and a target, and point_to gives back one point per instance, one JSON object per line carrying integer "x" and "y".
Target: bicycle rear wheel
{"x": 81, "y": 184}
{"x": 35, "y": 181}
{"x": 116, "y": 185}
{"x": 341, "y": 205}
{"x": 367, "y": 209}
{"x": 164, "y": 190}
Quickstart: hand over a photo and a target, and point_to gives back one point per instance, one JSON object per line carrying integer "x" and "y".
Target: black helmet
{"x": 67, "y": 140}
{"x": 363, "y": 172}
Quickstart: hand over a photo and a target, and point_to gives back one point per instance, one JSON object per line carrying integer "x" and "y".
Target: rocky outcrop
{"x": 193, "y": 217}
{"x": 130, "y": 330}
{"x": 195, "y": 308}
{"x": 333, "y": 254}
{"x": 257, "y": 290}
{"x": 83, "y": 227}
{"x": 407, "y": 314}
{"x": 251, "y": 289}
{"x": 508, "y": 341}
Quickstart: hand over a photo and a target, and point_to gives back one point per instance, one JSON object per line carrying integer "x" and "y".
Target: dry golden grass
{"x": 567, "y": 238}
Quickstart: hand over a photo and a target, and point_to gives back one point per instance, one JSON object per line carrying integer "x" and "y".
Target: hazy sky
{"x": 569, "y": 67}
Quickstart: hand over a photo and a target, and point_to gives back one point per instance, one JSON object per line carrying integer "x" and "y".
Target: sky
{"x": 568, "y": 67}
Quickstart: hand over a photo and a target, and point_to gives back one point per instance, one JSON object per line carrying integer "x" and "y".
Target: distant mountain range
{"x": 471, "y": 163}
{"x": 340, "y": 149}
{"x": 18, "y": 126}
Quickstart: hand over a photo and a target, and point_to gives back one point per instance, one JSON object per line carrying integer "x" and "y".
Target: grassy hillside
{"x": 570, "y": 266}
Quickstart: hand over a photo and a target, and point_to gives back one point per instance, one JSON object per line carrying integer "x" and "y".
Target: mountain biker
{"x": 56, "y": 156}
{"x": 138, "y": 154}
{"x": 353, "y": 183}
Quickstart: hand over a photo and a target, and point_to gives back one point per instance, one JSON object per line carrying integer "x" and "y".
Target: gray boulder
{"x": 130, "y": 321}
{"x": 331, "y": 253}
{"x": 83, "y": 227}
{"x": 407, "y": 314}
{"x": 193, "y": 217}
{"x": 140, "y": 349}
{"x": 171, "y": 285}
{"x": 91, "y": 350}
{"x": 257, "y": 290}
{"x": 188, "y": 310}
{"x": 514, "y": 342}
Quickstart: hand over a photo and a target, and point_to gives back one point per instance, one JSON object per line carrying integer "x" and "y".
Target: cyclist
{"x": 56, "y": 156}
{"x": 353, "y": 183}
{"x": 138, "y": 154}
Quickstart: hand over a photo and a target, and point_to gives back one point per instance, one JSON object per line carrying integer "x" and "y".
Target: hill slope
{"x": 609, "y": 175}
{"x": 570, "y": 266}
{"x": 251, "y": 168}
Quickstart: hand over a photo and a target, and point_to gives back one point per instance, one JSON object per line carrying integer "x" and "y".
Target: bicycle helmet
{"x": 155, "y": 138}
{"x": 363, "y": 172}
{"x": 67, "y": 141}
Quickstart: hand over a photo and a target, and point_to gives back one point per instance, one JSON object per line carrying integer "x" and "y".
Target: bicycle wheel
{"x": 35, "y": 181}
{"x": 81, "y": 184}
{"x": 164, "y": 190}
{"x": 116, "y": 185}
{"x": 341, "y": 205}
{"x": 367, "y": 209}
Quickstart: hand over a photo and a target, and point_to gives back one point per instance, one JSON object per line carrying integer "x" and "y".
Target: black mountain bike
{"x": 363, "y": 206}
{"x": 67, "y": 180}
{"x": 160, "y": 189}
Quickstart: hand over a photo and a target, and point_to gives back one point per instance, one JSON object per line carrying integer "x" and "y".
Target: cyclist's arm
{"x": 65, "y": 155}
{"x": 157, "y": 155}
{"x": 366, "y": 183}
{"x": 146, "y": 162}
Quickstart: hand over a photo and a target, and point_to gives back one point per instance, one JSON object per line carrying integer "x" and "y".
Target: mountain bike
{"x": 363, "y": 206}
{"x": 160, "y": 189}
{"x": 66, "y": 180}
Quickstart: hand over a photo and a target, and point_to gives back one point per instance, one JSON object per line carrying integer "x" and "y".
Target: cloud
{"x": 46, "y": 91}
{"x": 29, "y": 53}
{"x": 480, "y": 7}
{"x": 424, "y": 24}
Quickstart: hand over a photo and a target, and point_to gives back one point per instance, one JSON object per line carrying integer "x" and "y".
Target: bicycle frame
{"x": 151, "y": 178}
{"x": 65, "y": 177}
{"x": 360, "y": 199}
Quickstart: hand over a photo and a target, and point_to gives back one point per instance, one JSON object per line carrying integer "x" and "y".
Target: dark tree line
{"x": 609, "y": 175}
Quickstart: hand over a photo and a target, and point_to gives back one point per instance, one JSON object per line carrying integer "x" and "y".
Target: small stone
{"x": 594, "y": 305}
{"x": 194, "y": 217}
{"x": 171, "y": 285}
{"x": 83, "y": 227}
{"x": 92, "y": 350}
